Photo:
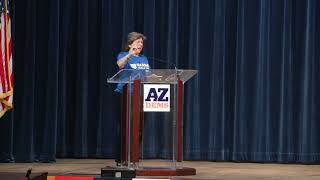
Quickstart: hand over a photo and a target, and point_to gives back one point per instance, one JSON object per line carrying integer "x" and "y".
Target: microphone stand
{"x": 168, "y": 63}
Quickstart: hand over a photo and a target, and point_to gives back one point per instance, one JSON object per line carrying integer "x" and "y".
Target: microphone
{"x": 166, "y": 62}
{"x": 162, "y": 61}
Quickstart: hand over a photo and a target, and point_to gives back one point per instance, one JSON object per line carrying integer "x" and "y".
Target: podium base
{"x": 151, "y": 171}
{"x": 123, "y": 172}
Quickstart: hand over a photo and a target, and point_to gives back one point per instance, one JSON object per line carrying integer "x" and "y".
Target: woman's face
{"x": 137, "y": 46}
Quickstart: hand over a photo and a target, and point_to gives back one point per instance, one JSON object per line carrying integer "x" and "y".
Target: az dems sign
{"x": 156, "y": 98}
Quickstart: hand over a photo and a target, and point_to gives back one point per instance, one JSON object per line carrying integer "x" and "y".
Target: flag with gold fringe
{"x": 6, "y": 73}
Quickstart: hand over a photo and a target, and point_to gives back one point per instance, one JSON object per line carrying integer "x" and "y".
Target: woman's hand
{"x": 123, "y": 61}
{"x": 134, "y": 51}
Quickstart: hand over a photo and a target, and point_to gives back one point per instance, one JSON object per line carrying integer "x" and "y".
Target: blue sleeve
{"x": 121, "y": 55}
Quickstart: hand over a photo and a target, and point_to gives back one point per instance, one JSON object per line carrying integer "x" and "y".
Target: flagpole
{"x": 6, "y": 5}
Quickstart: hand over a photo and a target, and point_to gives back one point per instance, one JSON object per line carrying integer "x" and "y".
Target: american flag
{"x": 6, "y": 73}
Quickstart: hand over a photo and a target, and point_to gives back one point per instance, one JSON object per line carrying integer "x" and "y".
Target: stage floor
{"x": 205, "y": 170}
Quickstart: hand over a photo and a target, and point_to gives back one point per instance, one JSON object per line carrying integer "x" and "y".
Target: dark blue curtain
{"x": 256, "y": 96}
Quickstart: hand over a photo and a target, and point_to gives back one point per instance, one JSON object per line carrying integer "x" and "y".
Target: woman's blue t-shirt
{"x": 135, "y": 62}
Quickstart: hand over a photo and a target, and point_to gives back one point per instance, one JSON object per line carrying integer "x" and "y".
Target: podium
{"x": 153, "y": 102}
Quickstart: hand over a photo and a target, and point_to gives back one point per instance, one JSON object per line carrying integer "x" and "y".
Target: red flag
{"x": 6, "y": 73}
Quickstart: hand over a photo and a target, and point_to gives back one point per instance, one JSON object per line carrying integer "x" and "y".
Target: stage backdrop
{"x": 256, "y": 96}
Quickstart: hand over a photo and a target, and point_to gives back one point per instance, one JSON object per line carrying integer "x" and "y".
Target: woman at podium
{"x": 130, "y": 58}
